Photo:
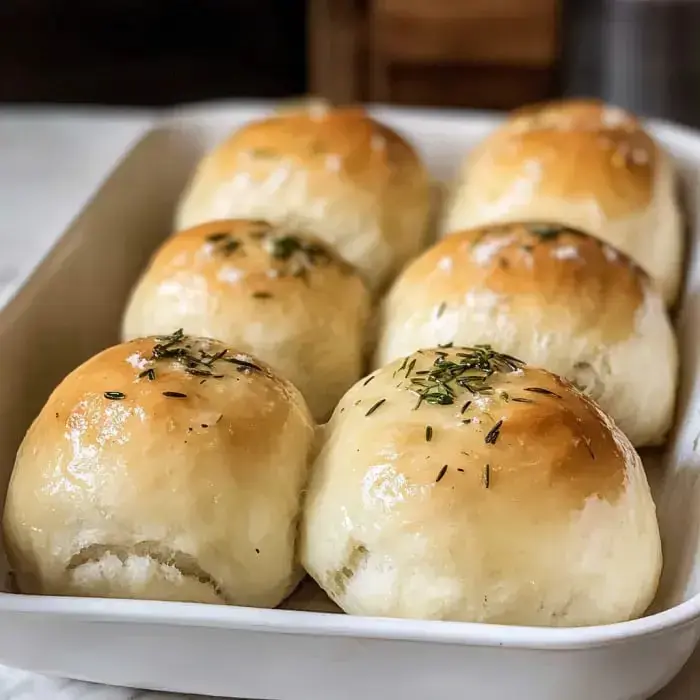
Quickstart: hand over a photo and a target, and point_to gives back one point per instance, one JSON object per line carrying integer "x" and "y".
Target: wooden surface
{"x": 467, "y": 53}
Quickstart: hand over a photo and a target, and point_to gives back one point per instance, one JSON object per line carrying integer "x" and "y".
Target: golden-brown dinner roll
{"x": 555, "y": 297}
{"x": 458, "y": 484}
{"x": 336, "y": 173}
{"x": 165, "y": 468}
{"x": 282, "y": 295}
{"x": 586, "y": 165}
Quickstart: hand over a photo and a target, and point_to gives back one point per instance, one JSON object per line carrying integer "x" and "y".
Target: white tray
{"x": 70, "y": 307}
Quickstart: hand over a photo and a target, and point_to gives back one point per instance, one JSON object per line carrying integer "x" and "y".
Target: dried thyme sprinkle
{"x": 174, "y": 394}
{"x": 459, "y": 469}
{"x": 539, "y": 390}
{"x": 441, "y": 473}
{"x": 522, "y": 399}
{"x": 486, "y": 478}
{"x": 224, "y": 243}
{"x": 114, "y": 395}
{"x": 368, "y": 380}
{"x": 243, "y": 365}
{"x": 545, "y": 231}
{"x": 470, "y": 372}
{"x": 493, "y": 434}
{"x": 428, "y": 433}
{"x": 375, "y": 407}
{"x": 466, "y": 406}
{"x": 150, "y": 373}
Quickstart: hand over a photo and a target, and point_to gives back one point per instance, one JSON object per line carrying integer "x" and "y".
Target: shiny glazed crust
{"x": 458, "y": 484}
{"x": 174, "y": 478}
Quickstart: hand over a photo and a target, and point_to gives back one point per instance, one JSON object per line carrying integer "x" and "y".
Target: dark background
{"x": 150, "y": 52}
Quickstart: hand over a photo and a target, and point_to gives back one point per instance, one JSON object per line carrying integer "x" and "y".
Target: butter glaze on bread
{"x": 458, "y": 484}
{"x": 583, "y": 164}
{"x": 278, "y": 293}
{"x": 335, "y": 173}
{"x": 554, "y": 296}
{"x": 184, "y": 484}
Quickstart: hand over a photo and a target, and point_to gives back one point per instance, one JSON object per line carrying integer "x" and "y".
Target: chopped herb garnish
{"x": 486, "y": 478}
{"x": 545, "y": 231}
{"x": 466, "y": 406}
{"x": 539, "y": 390}
{"x": 114, "y": 395}
{"x": 198, "y": 372}
{"x": 225, "y": 243}
{"x": 262, "y": 295}
{"x": 466, "y": 421}
{"x": 441, "y": 473}
{"x": 372, "y": 409}
{"x": 446, "y": 345}
{"x": 459, "y": 469}
{"x": 411, "y": 365}
{"x": 174, "y": 395}
{"x": 494, "y": 433}
{"x": 521, "y": 399}
{"x": 469, "y": 372}
{"x": 428, "y": 433}
{"x": 243, "y": 364}
{"x": 257, "y": 551}
{"x": 205, "y": 425}
{"x": 368, "y": 380}
{"x": 150, "y": 373}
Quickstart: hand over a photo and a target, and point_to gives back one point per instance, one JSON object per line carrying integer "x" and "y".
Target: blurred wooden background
{"x": 487, "y": 54}
{"x": 469, "y": 53}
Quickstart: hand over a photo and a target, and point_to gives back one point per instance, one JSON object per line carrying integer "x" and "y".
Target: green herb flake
{"x": 174, "y": 394}
{"x": 486, "y": 476}
{"x": 114, "y": 395}
{"x": 428, "y": 433}
{"x": 493, "y": 434}
{"x": 441, "y": 473}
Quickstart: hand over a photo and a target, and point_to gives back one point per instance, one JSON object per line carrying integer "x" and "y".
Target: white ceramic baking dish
{"x": 70, "y": 308}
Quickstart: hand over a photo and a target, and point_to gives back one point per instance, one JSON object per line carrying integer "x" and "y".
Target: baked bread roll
{"x": 555, "y": 297}
{"x": 281, "y": 295}
{"x": 586, "y": 165}
{"x": 336, "y": 173}
{"x": 164, "y": 468}
{"x": 458, "y": 484}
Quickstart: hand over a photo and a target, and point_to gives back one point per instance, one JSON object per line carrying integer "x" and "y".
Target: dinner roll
{"x": 165, "y": 468}
{"x": 584, "y": 164}
{"x": 282, "y": 295}
{"x": 336, "y": 173}
{"x": 459, "y": 484}
{"x": 556, "y": 297}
